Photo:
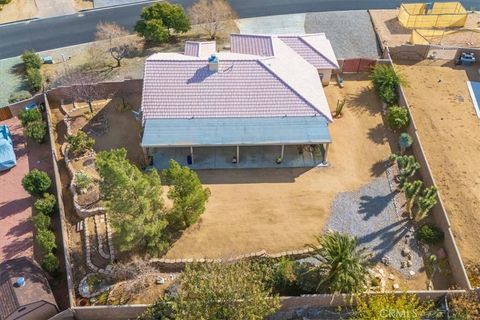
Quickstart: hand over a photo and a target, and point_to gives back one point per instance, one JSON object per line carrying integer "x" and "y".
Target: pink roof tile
{"x": 245, "y": 87}
{"x": 258, "y": 45}
{"x": 308, "y": 52}
{"x": 200, "y": 49}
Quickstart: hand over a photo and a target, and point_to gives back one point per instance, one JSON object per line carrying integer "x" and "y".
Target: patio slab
{"x": 250, "y": 157}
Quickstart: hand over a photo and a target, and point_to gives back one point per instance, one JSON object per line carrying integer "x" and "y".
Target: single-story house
{"x": 261, "y": 104}
{"x": 24, "y": 291}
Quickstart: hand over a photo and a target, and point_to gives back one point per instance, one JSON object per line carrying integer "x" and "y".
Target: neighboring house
{"x": 24, "y": 291}
{"x": 260, "y": 105}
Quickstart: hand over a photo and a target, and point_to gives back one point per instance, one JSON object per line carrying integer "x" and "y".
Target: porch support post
{"x": 191, "y": 153}
{"x": 325, "y": 146}
{"x": 238, "y": 154}
{"x": 283, "y": 151}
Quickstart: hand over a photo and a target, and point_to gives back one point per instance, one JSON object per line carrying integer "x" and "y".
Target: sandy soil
{"x": 282, "y": 209}
{"x": 393, "y": 34}
{"x": 82, "y": 4}
{"x": 18, "y": 10}
{"x": 450, "y": 133}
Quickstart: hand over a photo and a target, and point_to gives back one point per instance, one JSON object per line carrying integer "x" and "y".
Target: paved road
{"x": 74, "y": 29}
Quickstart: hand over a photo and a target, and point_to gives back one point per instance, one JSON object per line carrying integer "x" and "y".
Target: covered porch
{"x": 228, "y": 143}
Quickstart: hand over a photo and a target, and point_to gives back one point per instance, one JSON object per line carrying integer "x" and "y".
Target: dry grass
{"x": 450, "y": 132}
{"x": 83, "y": 4}
{"x": 282, "y": 209}
{"x": 18, "y": 10}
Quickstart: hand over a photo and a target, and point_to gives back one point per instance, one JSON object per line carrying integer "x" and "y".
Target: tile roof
{"x": 314, "y": 48}
{"x": 200, "y": 49}
{"x": 36, "y": 286}
{"x": 246, "y": 85}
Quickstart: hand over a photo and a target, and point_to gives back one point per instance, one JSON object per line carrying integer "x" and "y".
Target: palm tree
{"x": 342, "y": 265}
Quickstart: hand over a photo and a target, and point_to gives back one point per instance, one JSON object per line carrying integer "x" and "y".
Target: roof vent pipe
{"x": 213, "y": 63}
{"x": 20, "y": 282}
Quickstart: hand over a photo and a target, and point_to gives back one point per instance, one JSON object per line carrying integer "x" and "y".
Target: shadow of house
{"x": 30, "y": 299}
{"x": 243, "y": 176}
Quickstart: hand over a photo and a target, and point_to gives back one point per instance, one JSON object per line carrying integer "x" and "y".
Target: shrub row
{"x": 32, "y": 63}
{"x": 37, "y": 183}
{"x": 32, "y": 122}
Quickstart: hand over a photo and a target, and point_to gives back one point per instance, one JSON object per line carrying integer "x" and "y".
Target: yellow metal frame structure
{"x": 442, "y": 15}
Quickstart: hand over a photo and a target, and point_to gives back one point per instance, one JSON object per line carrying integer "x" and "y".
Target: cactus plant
{"x": 425, "y": 202}
{"x": 411, "y": 190}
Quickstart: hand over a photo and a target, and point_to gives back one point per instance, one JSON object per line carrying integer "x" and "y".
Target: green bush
{"x": 5, "y": 2}
{"x": 36, "y": 131}
{"x": 83, "y": 181}
{"x": 46, "y": 240}
{"x": 46, "y": 204}
{"x": 35, "y": 79}
{"x": 31, "y": 60}
{"x": 19, "y": 96}
{"x": 397, "y": 117}
{"x": 36, "y": 182}
{"x": 28, "y": 116}
{"x": 79, "y": 143}
{"x": 429, "y": 234}
{"x": 50, "y": 263}
{"x": 41, "y": 221}
{"x": 386, "y": 81}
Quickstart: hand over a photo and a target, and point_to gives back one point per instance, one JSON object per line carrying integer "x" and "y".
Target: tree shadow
{"x": 20, "y": 229}
{"x": 362, "y": 101}
{"x": 378, "y": 134}
{"x": 16, "y": 248}
{"x": 373, "y": 206}
{"x": 378, "y": 168}
{"x": 13, "y": 207}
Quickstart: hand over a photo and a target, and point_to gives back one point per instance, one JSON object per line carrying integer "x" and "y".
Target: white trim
{"x": 474, "y": 98}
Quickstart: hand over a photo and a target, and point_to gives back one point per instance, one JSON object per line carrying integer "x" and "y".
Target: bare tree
{"x": 83, "y": 84}
{"x": 121, "y": 43}
{"x": 211, "y": 15}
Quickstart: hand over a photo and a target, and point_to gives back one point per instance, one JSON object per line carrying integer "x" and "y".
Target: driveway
{"x": 16, "y": 230}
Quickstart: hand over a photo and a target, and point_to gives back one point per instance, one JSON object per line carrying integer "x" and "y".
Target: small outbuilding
{"x": 24, "y": 291}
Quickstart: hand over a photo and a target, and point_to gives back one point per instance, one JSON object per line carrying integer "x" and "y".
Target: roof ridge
{"x": 320, "y": 53}
{"x": 311, "y": 105}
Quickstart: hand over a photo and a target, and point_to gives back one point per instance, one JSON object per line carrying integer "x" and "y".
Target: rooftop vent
{"x": 213, "y": 63}
{"x": 20, "y": 282}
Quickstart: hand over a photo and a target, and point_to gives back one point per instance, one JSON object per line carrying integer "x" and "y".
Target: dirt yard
{"x": 283, "y": 209}
{"x": 393, "y": 34}
{"x": 18, "y": 10}
{"x": 450, "y": 132}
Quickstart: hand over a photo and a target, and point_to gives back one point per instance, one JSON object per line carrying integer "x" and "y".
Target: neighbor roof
{"x": 36, "y": 286}
{"x": 235, "y": 131}
{"x": 180, "y": 86}
{"x": 314, "y": 48}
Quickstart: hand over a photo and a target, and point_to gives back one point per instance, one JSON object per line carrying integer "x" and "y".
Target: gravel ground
{"x": 370, "y": 215}
{"x": 11, "y": 80}
{"x": 350, "y": 32}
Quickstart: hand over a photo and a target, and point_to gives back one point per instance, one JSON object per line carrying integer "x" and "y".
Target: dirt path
{"x": 450, "y": 133}
{"x": 282, "y": 209}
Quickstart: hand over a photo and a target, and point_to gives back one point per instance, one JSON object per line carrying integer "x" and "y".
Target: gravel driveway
{"x": 370, "y": 215}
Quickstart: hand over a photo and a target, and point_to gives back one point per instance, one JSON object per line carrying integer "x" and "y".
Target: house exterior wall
{"x": 34, "y": 311}
{"x": 326, "y": 75}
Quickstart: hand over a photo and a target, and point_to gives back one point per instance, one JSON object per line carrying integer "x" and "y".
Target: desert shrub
{"x": 79, "y": 143}
{"x": 41, "y": 221}
{"x": 465, "y": 306}
{"x": 29, "y": 116}
{"x": 50, "y": 263}
{"x": 386, "y": 81}
{"x": 31, "y": 60}
{"x": 405, "y": 141}
{"x": 389, "y": 306}
{"x": 397, "y": 117}
{"x": 34, "y": 79}
{"x": 36, "y": 182}
{"x": 429, "y": 234}
{"x": 46, "y": 204}
{"x": 46, "y": 240}
{"x": 19, "y": 96}
{"x": 82, "y": 180}
{"x": 36, "y": 131}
